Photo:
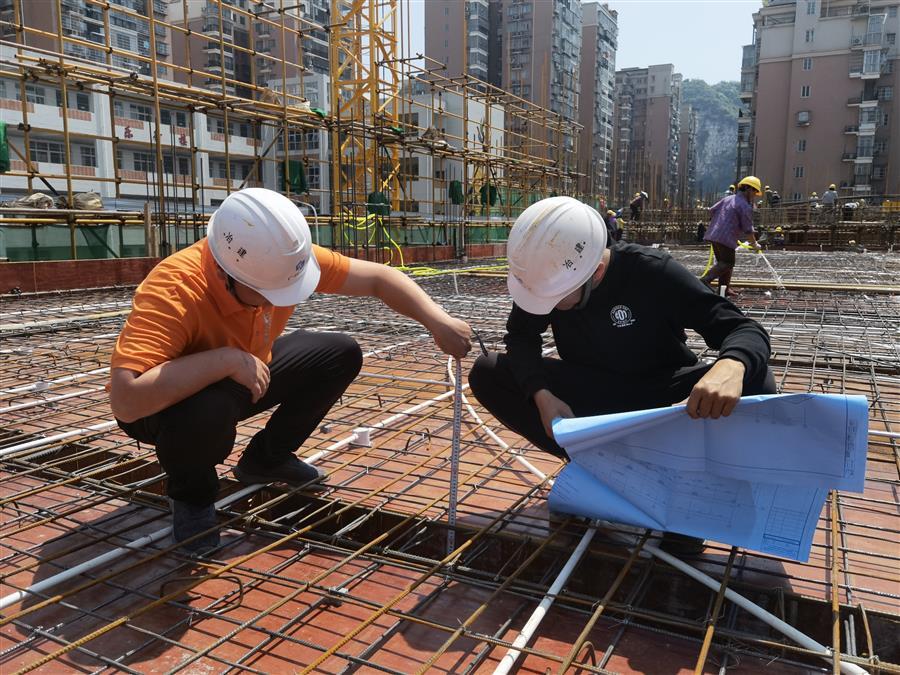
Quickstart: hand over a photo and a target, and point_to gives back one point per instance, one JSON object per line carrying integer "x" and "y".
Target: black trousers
{"x": 587, "y": 391}
{"x": 309, "y": 372}
{"x": 724, "y": 267}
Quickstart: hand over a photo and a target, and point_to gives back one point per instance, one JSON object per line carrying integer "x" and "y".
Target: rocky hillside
{"x": 716, "y": 107}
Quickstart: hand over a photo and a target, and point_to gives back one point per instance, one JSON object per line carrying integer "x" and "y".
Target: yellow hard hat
{"x": 778, "y": 229}
{"x": 731, "y": 187}
{"x": 767, "y": 187}
{"x": 610, "y": 212}
{"x": 814, "y": 194}
{"x": 753, "y": 182}
{"x": 832, "y": 187}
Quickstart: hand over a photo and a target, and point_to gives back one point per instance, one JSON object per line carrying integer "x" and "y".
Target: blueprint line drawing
{"x": 756, "y": 479}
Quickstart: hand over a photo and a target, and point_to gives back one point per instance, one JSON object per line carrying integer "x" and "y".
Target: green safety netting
{"x": 378, "y": 203}
{"x": 488, "y": 194}
{"x": 456, "y": 192}
{"x": 4, "y": 149}
{"x": 297, "y": 180}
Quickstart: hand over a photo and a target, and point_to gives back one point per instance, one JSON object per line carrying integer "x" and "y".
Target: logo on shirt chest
{"x": 621, "y": 316}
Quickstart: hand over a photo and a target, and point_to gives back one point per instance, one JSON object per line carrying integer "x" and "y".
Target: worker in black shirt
{"x": 618, "y": 317}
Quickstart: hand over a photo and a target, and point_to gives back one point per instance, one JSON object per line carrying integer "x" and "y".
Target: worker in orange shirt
{"x": 203, "y": 350}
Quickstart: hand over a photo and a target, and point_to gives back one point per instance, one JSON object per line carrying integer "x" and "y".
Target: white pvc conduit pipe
{"x": 784, "y": 628}
{"x": 511, "y": 656}
{"x": 37, "y": 443}
{"x": 109, "y": 556}
{"x": 41, "y": 385}
{"x": 51, "y": 399}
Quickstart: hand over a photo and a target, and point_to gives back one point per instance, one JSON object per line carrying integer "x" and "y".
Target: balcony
{"x": 868, "y": 100}
{"x": 848, "y": 157}
{"x": 851, "y": 129}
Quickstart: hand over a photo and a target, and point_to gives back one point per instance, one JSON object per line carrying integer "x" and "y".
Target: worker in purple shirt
{"x": 732, "y": 219}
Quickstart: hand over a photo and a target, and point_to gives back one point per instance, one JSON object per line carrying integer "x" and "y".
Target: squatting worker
{"x": 732, "y": 217}
{"x": 618, "y": 317}
{"x": 201, "y": 351}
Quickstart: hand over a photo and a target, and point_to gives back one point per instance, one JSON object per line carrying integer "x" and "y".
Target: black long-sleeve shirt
{"x": 634, "y": 323}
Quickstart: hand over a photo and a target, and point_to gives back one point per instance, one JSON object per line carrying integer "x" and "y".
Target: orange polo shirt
{"x": 184, "y": 307}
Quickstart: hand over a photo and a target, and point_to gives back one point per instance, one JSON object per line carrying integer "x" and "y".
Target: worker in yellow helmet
{"x": 777, "y": 240}
{"x": 830, "y": 197}
{"x": 732, "y": 217}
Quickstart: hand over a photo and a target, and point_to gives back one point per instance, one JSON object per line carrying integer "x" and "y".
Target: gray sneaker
{"x": 190, "y": 519}
{"x": 291, "y": 470}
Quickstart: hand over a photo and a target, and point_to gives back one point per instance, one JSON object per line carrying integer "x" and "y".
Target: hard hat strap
{"x": 586, "y": 293}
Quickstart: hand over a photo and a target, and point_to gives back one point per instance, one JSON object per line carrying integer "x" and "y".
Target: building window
{"x": 123, "y": 41}
{"x": 446, "y": 43}
{"x": 892, "y": 11}
{"x": 446, "y": 11}
{"x": 807, "y": 63}
{"x": 803, "y": 117}
{"x": 139, "y": 112}
{"x": 796, "y": 197}
{"x": 801, "y": 145}
{"x": 88, "y": 155}
{"x": 878, "y": 172}
{"x": 811, "y": 7}
{"x": 143, "y": 161}
{"x": 885, "y": 93}
{"x": 810, "y": 34}
{"x": 804, "y": 91}
{"x": 798, "y": 172}
{"x": 33, "y": 94}
{"x": 47, "y": 151}
{"x": 77, "y": 100}
{"x": 891, "y": 38}
{"x": 184, "y": 166}
{"x": 885, "y": 119}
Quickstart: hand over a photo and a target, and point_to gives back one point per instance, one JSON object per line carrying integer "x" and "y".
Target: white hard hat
{"x": 260, "y": 238}
{"x": 553, "y": 248}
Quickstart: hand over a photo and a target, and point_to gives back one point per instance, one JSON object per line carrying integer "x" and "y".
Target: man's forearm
{"x": 406, "y": 297}
{"x": 134, "y": 396}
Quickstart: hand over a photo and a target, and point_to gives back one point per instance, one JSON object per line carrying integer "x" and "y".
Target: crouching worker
{"x": 618, "y": 317}
{"x": 202, "y": 350}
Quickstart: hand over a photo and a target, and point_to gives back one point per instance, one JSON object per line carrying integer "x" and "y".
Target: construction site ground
{"x": 357, "y": 577}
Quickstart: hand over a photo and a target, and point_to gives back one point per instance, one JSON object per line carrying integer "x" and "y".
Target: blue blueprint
{"x": 756, "y": 479}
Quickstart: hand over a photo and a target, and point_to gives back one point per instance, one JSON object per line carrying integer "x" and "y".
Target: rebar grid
{"x": 353, "y": 577}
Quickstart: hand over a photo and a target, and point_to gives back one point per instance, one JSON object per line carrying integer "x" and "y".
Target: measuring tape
{"x": 454, "y": 458}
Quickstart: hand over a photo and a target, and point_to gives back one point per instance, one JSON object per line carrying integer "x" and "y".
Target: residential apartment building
{"x": 647, "y": 123}
{"x": 464, "y": 41}
{"x": 246, "y": 27}
{"x": 686, "y": 191}
{"x": 129, "y": 36}
{"x": 425, "y": 176}
{"x": 597, "y": 84}
{"x": 820, "y": 92}
{"x": 530, "y": 48}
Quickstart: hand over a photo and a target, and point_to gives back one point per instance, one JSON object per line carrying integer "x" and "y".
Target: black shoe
{"x": 681, "y": 544}
{"x": 190, "y": 519}
{"x": 291, "y": 471}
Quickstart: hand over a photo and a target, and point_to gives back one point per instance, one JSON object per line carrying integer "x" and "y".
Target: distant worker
{"x": 637, "y": 205}
{"x": 203, "y": 350}
{"x": 777, "y": 239}
{"x": 729, "y": 191}
{"x": 814, "y": 199}
{"x": 732, "y": 217}
{"x": 776, "y": 199}
{"x": 612, "y": 224}
{"x": 618, "y": 317}
{"x": 768, "y": 196}
{"x": 829, "y": 197}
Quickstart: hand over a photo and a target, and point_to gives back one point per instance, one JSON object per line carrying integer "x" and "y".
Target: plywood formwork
{"x": 357, "y": 577}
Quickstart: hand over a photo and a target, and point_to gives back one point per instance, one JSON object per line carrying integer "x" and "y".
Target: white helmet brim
{"x": 531, "y": 303}
{"x": 297, "y": 292}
